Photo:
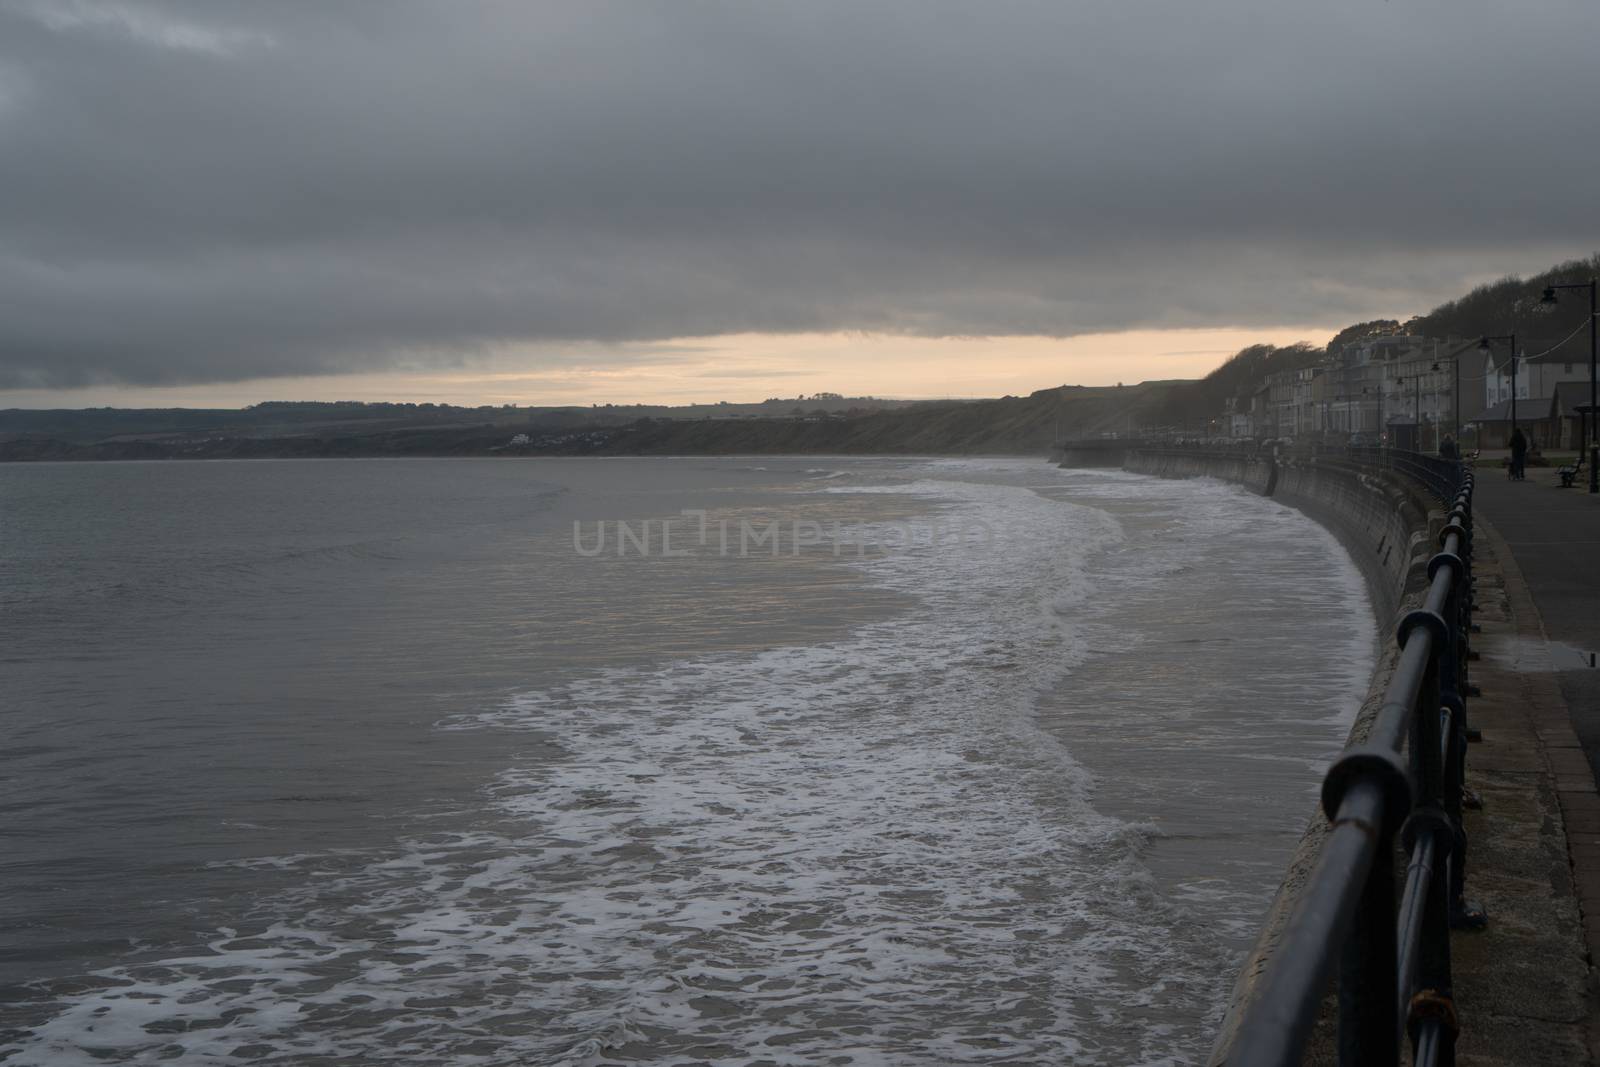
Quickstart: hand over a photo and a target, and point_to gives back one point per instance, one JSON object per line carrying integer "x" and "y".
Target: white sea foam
{"x": 859, "y": 852}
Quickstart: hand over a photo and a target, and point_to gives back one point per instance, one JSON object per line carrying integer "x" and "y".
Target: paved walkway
{"x": 1554, "y": 534}
{"x": 1526, "y": 986}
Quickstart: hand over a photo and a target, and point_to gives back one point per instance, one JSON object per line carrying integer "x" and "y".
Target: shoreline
{"x": 1523, "y": 983}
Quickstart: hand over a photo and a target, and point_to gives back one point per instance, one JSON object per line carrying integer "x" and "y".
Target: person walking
{"x": 1519, "y": 454}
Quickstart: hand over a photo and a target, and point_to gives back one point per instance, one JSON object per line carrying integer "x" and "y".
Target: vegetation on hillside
{"x": 1361, "y": 331}
{"x": 1511, "y": 305}
{"x": 1246, "y": 369}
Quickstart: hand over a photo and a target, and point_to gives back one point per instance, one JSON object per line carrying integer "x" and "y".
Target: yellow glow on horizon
{"x": 737, "y": 368}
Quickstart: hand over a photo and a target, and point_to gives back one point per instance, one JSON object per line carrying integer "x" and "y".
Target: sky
{"x": 230, "y": 201}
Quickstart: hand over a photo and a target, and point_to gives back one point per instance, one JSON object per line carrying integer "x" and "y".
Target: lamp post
{"x": 1483, "y": 346}
{"x": 1455, "y": 397}
{"x": 1376, "y": 392}
{"x": 1416, "y": 408}
{"x": 1416, "y": 418}
{"x": 1594, "y": 389}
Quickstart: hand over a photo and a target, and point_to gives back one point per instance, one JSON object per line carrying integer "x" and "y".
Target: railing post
{"x": 1461, "y": 913}
{"x": 1452, "y": 649}
{"x": 1429, "y": 764}
{"x": 1430, "y": 1011}
{"x": 1426, "y": 997}
{"x": 1427, "y": 751}
{"x": 1369, "y": 1028}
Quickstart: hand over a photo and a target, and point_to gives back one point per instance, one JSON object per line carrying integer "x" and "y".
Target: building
{"x": 1280, "y": 404}
{"x": 1248, "y": 417}
{"x": 1295, "y": 403}
{"x": 1551, "y": 383}
{"x": 1360, "y": 390}
{"x": 1398, "y": 389}
{"x": 1352, "y": 400}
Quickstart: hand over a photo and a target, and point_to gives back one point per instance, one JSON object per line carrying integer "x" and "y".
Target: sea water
{"x": 972, "y": 761}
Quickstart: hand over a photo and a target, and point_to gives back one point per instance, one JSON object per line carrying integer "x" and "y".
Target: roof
{"x": 1569, "y": 395}
{"x": 1528, "y": 407}
{"x": 1573, "y": 349}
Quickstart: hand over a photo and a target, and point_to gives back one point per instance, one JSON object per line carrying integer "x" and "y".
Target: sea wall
{"x": 1389, "y": 526}
{"x": 1258, "y": 472}
{"x": 1093, "y": 454}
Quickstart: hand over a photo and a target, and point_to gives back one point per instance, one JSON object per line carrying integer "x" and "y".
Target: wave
{"x": 864, "y": 851}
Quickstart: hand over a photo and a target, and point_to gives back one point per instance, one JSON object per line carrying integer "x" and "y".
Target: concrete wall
{"x": 1389, "y": 525}
{"x": 1258, "y": 472}
{"x": 1092, "y": 454}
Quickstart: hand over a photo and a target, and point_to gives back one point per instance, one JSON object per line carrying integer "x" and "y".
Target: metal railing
{"x": 1440, "y": 476}
{"x": 1391, "y": 955}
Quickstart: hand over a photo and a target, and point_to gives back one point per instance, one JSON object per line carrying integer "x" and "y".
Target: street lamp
{"x": 1455, "y": 396}
{"x": 1376, "y": 392}
{"x": 1548, "y": 299}
{"x": 1483, "y": 347}
{"x": 1416, "y": 380}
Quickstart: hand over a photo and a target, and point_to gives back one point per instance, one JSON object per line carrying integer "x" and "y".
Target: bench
{"x": 1569, "y": 473}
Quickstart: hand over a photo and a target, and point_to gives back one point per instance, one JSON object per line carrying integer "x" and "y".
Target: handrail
{"x": 1406, "y": 779}
{"x": 1440, "y": 476}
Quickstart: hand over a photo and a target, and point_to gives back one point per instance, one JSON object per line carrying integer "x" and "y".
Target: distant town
{"x": 1411, "y": 391}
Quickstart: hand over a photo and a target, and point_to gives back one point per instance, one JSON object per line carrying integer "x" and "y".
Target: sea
{"x": 669, "y": 761}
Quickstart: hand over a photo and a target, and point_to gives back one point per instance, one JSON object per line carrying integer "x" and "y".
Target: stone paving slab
{"x": 1525, "y": 987}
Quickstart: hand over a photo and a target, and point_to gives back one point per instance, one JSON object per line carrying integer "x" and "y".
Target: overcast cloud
{"x": 216, "y": 191}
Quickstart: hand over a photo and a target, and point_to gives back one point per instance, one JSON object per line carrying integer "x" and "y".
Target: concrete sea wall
{"x": 1093, "y": 454}
{"x": 1389, "y": 525}
{"x": 1257, "y": 472}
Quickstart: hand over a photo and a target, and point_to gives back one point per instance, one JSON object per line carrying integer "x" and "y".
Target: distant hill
{"x": 1007, "y": 425}
{"x": 858, "y": 425}
{"x": 1244, "y": 371}
{"x": 351, "y": 427}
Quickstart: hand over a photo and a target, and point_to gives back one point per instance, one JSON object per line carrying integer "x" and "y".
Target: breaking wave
{"x": 860, "y": 852}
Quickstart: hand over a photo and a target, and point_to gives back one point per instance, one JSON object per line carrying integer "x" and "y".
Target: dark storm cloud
{"x": 212, "y": 191}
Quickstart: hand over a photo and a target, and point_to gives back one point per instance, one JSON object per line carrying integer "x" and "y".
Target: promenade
{"x": 1526, "y": 985}
{"x": 1555, "y": 536}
